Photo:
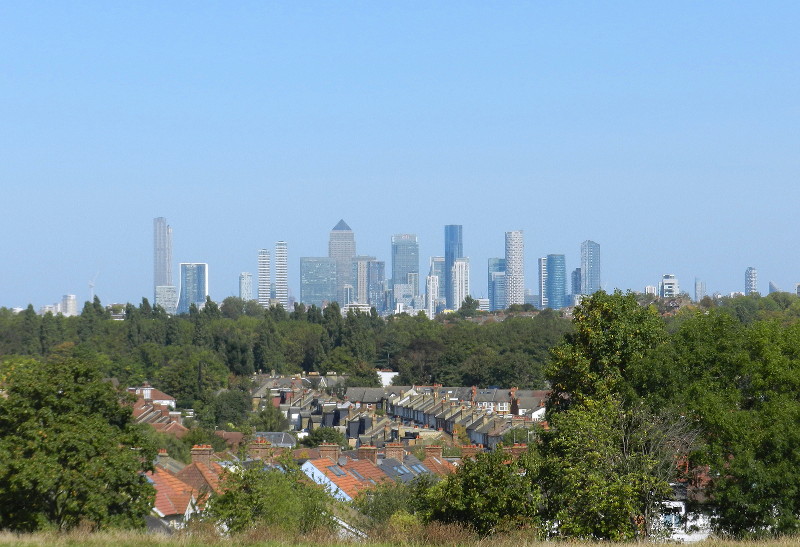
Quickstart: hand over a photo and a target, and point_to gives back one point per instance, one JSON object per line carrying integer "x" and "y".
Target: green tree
{"x": 324, "y": 435}
{"x": 269, "y": 418}
{"x": 280, "y": 498}
{"x": 69, "y": 453}
{"x": 491, "y": 493}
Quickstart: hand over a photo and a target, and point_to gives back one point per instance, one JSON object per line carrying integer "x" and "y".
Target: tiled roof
{"x": 173, "y": 496}
{"x": 201, "y": 477}
{"x": 345, "y": 480}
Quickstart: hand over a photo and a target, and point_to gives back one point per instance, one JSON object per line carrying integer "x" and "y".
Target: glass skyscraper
{"x": 194, "y": 285}
{"x": 496, "y": 275}
{"x": 556, "y": 284}
{"x": 405, "y": 262}
{"x": 163, "y": 287}
{"x": 590, "y": 267}
{"x": 453, "y": 249}
{"x": 317, "y": 281}
{"x": 342, "y": 248}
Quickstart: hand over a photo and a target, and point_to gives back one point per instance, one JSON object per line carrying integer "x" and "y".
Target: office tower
{"x": 750, "y": 281}
{"x": 453, "y": 249}
{"x": 282, "y": 274}
{"x": 167, "y": 298}
{"x": 162, "y": 264}
{"x": 69, "y": 305}
{"x": 437, "y": 269}
{"x": 515, "y": 268}
{"x": 460, "y": 281}
{"x": 361, "y": 278}
{"x": 376, "y": 285}
{"x": 405, "y": 263}
{"x": 317, "y": 281}
{"x": 773, "y": 288}
{"x": 162, "y": 252}
{"x": 668, "y": 287}
{"x": 246, "y": 286}
{"x": 496, "y": 288}
{"x": 342, "y": 248}
{"x": 264, "y": 282}
{"x": 556, "y": 285}
{"x": 699, "y": 290}
{"x": 431, "y": 295}
{"x": 575, "y": 281}
{"x": 590, "y": 267}
{"x": 543, "y": 302}
{"x": 194, "y": 285}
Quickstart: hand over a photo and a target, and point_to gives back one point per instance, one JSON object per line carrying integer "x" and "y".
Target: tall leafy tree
{"x": 69, "y": 452}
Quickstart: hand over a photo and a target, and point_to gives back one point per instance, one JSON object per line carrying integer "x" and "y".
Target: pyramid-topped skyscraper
{"x": 342, "y": 248}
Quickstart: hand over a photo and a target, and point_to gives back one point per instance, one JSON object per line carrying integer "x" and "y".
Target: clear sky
{"x": 668, "y": 132}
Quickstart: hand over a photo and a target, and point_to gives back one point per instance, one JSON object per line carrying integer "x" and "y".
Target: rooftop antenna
{"x": 91, "y": 287}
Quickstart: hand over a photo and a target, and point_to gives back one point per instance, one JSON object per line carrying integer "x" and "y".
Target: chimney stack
{"x": 433, "y": 451}
{"x": 201, "y": 453}
{"x": 469, "y": 451}
{"x": 394, "y": 451}
{"x": 330, "y": 451}
{"x": 260, "y": 449}
{"x": 368, "y": 452}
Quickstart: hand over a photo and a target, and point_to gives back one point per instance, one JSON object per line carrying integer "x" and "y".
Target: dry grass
{"x": 427, "y": 537}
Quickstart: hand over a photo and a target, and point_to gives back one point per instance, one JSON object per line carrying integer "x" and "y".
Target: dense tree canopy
{"x": 69, "y": 453}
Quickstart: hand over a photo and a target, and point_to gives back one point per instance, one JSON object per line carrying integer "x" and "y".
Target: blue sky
{"x": 667, "y": 132}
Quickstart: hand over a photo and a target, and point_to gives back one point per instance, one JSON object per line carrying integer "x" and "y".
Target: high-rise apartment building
{"x": 342, "y": 248}
{"x": 496, "y": 288}
{"x": 282, "y": 274}
{"x": 515, "y": 268}
{"x": 246, "y": 286}
{"x": 162, "y": 264}
{"x": 668, "y": 287}
{"x": 167, "y": 298}
{"x": 575, "y": 282}
{"x": 69, "y": 305}
{"x": 556, "y": 285}
{"x": 453, "y": 249}
{"x": 376, "y": 285}
{"x": 264, "y": 279}
{"x": 699, "y": 290}
{"x": 405, "y": 263}
{"x": 361, "y": 278}
{"x": 194, "y": 285}
{"x": 431, "y": 295}
{"x": 543, "y": 302}
{"x": 460, "y": 281}
{"x": 590, "y": 267}
{"x": 317, "y": 281}
{"x": 750, "y": 281}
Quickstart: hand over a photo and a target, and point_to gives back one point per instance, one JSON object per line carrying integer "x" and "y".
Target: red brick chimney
{"x": 469, "y": 451}
{"x": 330, "y": 450}
{"x": 368, "y": 452}
{"x": 433, "y": 451}
{"x": 260, "y": 449}
{"x": 201, "y": 453}
{"x": 394, "y": 451}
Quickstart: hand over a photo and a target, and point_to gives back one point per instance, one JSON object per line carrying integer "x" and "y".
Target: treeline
{"x": 193, "y": 355}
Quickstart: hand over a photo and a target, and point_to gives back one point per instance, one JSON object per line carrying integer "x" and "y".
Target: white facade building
{"x": 246, "y": 286}
{"x": 460, "y": 280}
{"x": 668, "y": 287}
{"x": 282, "y": 273}
{"x": 515, "y": 268}
{"x": 264, "y": 278}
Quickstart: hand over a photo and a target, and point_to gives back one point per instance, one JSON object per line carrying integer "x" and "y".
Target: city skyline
{"x": 653, "y": 146}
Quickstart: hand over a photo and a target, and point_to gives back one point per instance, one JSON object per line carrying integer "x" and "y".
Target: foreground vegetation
{"x": 709, "y": 398}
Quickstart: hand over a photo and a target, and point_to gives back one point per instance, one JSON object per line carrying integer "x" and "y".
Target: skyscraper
{"x": 699, "y": 290}
{"x": 264, "y": 280}
{"x": 543, "y": 302}
{"x": 342, "y": 248}
{"x": 69, "y": 305}
{"x": 282, "y": 274}
{"x": 556, "y": 285}
{"x": 590, "y": 267}
{"x": 361, "y": 278}
{"x": 773, "y": 288}
{"x": 575, "y": 285}
{"x": 317, "y": 280}
{"x": 460, "y": 281}
{"x": 431, "y": 295}
{"x": 194, "y": 285}
{"x": 246, "y": 286}
{"x": 162, "y": 264}
{"x": 453, "y": 249}
{"x": 405, "y": 262}
{"x": 496, "y": 266}
{"x": 750, "y": 281}
{"x": 515, "y": 268}
{"x": 376, "y": 285}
